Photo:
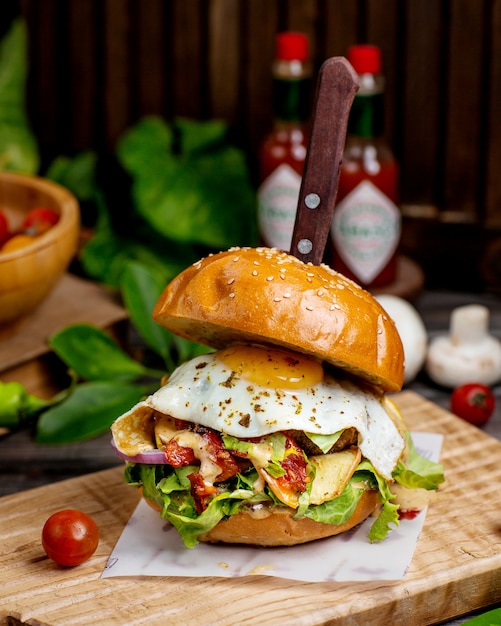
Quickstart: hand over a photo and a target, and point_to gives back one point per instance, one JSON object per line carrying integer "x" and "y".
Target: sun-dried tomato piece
{"x": 177, "y": 455}
{"x": 220, "y": 456}
{"x": 294, "y": 465}
{"x": 200, "y": 491}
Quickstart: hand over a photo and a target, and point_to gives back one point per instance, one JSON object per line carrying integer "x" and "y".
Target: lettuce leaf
{"x": 324, "y": 442}
{"x": 339, "y": 510}
{"x": 387, "y": 519}
{"x": 418, "y": 471}
{"x": 170, "y": 489}
{"x": 271, "y": 449}
{"x": 223, "y": 505}
{"x": 388, "y": 516}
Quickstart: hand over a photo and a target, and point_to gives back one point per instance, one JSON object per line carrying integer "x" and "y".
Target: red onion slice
{"x": 150, "y": 457}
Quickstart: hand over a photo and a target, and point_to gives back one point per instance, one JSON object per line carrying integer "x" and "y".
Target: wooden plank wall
{"x": 96, "y": 66}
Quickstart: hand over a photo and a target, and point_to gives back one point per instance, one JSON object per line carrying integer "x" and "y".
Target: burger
{"x": 283, "y": 432}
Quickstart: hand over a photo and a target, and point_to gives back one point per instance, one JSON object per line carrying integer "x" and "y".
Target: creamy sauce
{"x": 208, "y": 469}
{"x": 409, "y": 499}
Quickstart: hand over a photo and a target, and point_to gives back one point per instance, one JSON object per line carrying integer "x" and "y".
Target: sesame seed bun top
{"x": 262, "y": 295}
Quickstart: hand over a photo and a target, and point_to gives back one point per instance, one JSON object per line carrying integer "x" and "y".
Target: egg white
{"x": 205, "y": 391}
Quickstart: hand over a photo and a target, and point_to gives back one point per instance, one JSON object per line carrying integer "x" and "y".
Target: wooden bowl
{"x": 29, "y": 274}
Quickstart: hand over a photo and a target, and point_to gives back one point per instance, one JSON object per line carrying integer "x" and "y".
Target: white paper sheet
{"x": 149, "y": 546}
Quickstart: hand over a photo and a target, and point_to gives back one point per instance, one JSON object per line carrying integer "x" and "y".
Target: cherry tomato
{"x": 17, "y": 242}
{"x": 39, "y": 220}
{"x": 70, "y": 537}
{"x": 473, "y": 402}
{"x": 4, "y": 228}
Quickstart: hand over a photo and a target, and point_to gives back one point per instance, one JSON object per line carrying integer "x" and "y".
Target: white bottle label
{"x": 277, "y": 206}
{"x": 366, "y": 230}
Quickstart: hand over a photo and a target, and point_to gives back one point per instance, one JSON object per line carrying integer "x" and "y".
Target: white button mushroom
{"x": 469, "y": 353}
{"x": 412, "y": 332}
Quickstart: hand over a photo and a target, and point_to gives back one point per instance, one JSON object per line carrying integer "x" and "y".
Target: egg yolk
{"x": 268, "y": 367}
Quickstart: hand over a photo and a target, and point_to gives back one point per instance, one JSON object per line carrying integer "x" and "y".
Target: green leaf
{"x": 388, "y": 517}
{"x": 324, "y": 442}
{"x": 270, "y": 451}
{"x": 200, "y": 196}
{"x": 207, "y": 201}
{"x": 93, "y": 354}
{"x": 491, "y": 618}
{"x": 151, "y": 136}
{"x": 338, "y": 510}
{"x": 417, "y": 470}
{"x": 141, "y": 287}
{"x": 88, "y": 412}
{"x": 76, "y": 174}
{"x": 386, "y": 521}
{"x": 17, "y": 406}
{"x": 105, "y": 256}
{"x": 18, "y": 147}
{"x": 195, "y": 136}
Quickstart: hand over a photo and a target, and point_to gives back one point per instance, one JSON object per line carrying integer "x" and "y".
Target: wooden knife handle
{"x": 337, "y": 85}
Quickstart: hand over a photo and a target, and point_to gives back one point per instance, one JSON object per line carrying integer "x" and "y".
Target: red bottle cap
{"x": 365, "y": 59}
{"x": 291, "y": 46}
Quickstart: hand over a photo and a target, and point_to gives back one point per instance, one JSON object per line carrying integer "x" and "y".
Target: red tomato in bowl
{"x": 39, "y": 220}
{"x": 4, "y": 228}
{"x": 70, "y": 537}
{"x": 473, "y": 402}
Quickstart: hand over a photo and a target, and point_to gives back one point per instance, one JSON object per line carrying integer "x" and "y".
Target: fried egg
{"x": 250, "y": 391}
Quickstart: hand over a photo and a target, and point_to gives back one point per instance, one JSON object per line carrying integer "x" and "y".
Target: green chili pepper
{"x": 17, "y": 405}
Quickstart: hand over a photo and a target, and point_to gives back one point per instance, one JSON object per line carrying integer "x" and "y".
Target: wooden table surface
{"x": 24, "y": 465}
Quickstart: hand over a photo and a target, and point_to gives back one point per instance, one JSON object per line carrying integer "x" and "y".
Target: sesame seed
{"x": 309, "y": 308}
{"x": 232, "y": 295}
{"x": 277, "y": 299}
{"x": 287, "y": 294}
{"x": 231, "y": 281}
{"x": 321, "y": 292}
{"x": 237, "y": 258}
{"x": 254, "y": 273}
{"x": 270, "y": 278}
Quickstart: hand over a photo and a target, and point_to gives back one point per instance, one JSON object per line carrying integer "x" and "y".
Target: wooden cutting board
{"x": 24, "y": 353}
{"x": 456, "y": 567}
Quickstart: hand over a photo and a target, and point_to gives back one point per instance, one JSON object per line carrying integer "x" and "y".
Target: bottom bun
{"x": 279, "y": 528}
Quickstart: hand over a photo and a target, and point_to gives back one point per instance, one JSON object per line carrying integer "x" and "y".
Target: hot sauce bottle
{"x": 366, "y": 226}
{"x": 283, "y": 151}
